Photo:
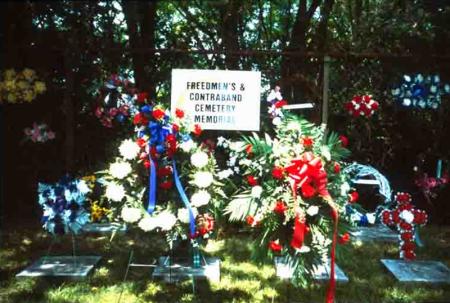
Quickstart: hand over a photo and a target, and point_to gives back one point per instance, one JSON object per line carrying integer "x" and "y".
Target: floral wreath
{"x": 290, "y": 193}
{"x": 356, "y": 213}
{"x": 116, "y": 101}
{"x": 139, "y": 184}
{"x": 406, "y": 219}
{"x": 362, "y": 106}
{"x": 420, "y": 92}
{"x": 63, "y": 205}
{"x": 39, "y": 133}
{"x": 20, "y": 87}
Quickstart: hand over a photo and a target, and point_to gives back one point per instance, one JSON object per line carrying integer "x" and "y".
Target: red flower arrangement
{"x": 361, "y": 106}
{"x": 405, "y": 217}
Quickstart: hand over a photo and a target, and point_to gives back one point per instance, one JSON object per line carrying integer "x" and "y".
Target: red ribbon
{"x": 332, "y": 285}
{"x": 299, "y": 232}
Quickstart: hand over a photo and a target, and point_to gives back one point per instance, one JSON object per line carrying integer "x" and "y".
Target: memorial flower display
{"x": 405, "y": 218}
{"x": 39, "y": 133}
{"x": 116, "y": 101}
{"x": 162, "y": 180}
{"x": 364, "y": 106}
{"x": 291, "y": 193}
{"x": 63, "y": 205}
{"x": 20, "y": 87}
{"x": 419, "y": 91}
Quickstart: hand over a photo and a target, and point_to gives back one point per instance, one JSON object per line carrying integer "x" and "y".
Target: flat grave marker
{"x": 376, "y": 232}
{"x": 418, "y": 271}
{"x": 179, "y": 271}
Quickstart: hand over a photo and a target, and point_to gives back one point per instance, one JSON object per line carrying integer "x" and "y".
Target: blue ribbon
{"x": 151, "y": 185}
{"x": 184, "y": 198}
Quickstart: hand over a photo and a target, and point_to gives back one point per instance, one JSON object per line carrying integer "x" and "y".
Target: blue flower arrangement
{"x": 62, "y": 205}
{"x": 422, "y": 92}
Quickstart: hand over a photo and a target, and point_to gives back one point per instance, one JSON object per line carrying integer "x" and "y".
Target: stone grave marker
{"x": 321, "y": 273}
{"x": 376, "y": 232}
{"x": 61, "y": 266}
{"x": 418, "y": 271}
{"x": 171, "y": 273}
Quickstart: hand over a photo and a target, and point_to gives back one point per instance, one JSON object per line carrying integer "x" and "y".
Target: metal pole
{"x": 326, "y": 86}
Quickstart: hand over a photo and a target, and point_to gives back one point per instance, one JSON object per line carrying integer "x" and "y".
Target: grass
{"x": 241, "y": 280}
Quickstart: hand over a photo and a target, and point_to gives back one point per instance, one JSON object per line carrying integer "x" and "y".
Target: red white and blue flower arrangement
{"x": 63, "y": 205}
{"x": 405, "y": 218}
{"x": 291, "y": 194}
{"x": 418, "y": 91}
{"x": 144, "y": 185}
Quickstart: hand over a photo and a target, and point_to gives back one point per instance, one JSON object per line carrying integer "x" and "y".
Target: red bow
{"x": 307, "y": 172}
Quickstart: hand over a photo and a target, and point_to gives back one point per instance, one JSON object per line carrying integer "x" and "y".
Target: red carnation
{"x": 403, "y": 198}
{"x": 357, "y": 99}
{"x": 158, "y": 114}
{"x": 408, "y": 245}
{"x": 252, "y": 181}
{"x": 375, "y": 105}
{"x": 356, "y": 113}
{"x": 405, "y": 226}
{"x": 179, "y": 113}
{"x": 344, "y": 239}
{"x": 175, "y": 127}
{"x": 353, "y": 197}
{"x": 141, "y": 142}
{"x": 164, "y": 171}
{"x": 280, "y": 103}
{"x": 249, "y": 149}
{"x": 138, "y": 119}
{"x": 307, "y": 141}
{"x": 142, "y": 97}
{"x": 337, "y": 168}
{"x": 278, "y": 172}
{"x": 396, "y": 216}
{"x": 166, "y": 184}
{"x": 344, "y": 140}
{"x": 409, "y": 255}
{"x": 280, "y": 207}
{"x": 147, "y": 164}
{"x": 349, "y": 106}
{"x": 274, "y": 246}
{"x": 250, "y": 220}
{"x": 197, "y": 130}
{"x": 406, "y": 236}
{"x": 307, "y": 191}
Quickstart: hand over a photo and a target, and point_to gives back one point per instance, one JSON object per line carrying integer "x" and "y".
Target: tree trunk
{"x": 141, "y": 24}
{"x": 230, "y": 37}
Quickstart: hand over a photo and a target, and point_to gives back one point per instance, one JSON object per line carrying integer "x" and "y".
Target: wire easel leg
{"x": 130, "y": 259}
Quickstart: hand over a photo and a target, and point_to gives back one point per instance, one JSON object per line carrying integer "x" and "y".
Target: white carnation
{"x": 345, "y": 187}
{"x": 148, "y": 223}
{"x": 166, "y": 220}
{"x": 203, "y": 179}
{"x": 129, "y": 149}
{"x": 187, "y": 146}
{"x": 224, "y": 174}
{"x": 199, "y": 159}
{"x": 407, "y": 216}
{"x": 257, "y": 191}
{"x": 120, "y": 170}
{"x": 83, "y": 187}
{"x": 276, "y": 121}
{"x": 371, "y": 218}
{"x": 115, "y": 192}
{"x": 312, "y": 210}
{"x": 237, "y": 146}
{"x": 131, "y": 214}
{"x": 183, "y": 214}
{"x": 200, "y": 198}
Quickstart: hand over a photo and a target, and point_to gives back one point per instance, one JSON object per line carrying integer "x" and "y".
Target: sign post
{"x": 217, "y": 99}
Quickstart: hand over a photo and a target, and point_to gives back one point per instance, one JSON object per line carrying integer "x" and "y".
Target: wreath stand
{"x": 171, "y": 270}
{"x": 70, "y": 266}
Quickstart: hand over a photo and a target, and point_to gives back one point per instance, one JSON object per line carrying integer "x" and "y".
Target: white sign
{"x": 216, "y": 99}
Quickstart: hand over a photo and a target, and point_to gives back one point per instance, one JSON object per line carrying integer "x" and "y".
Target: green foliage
{"x": 241, "y": 280}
